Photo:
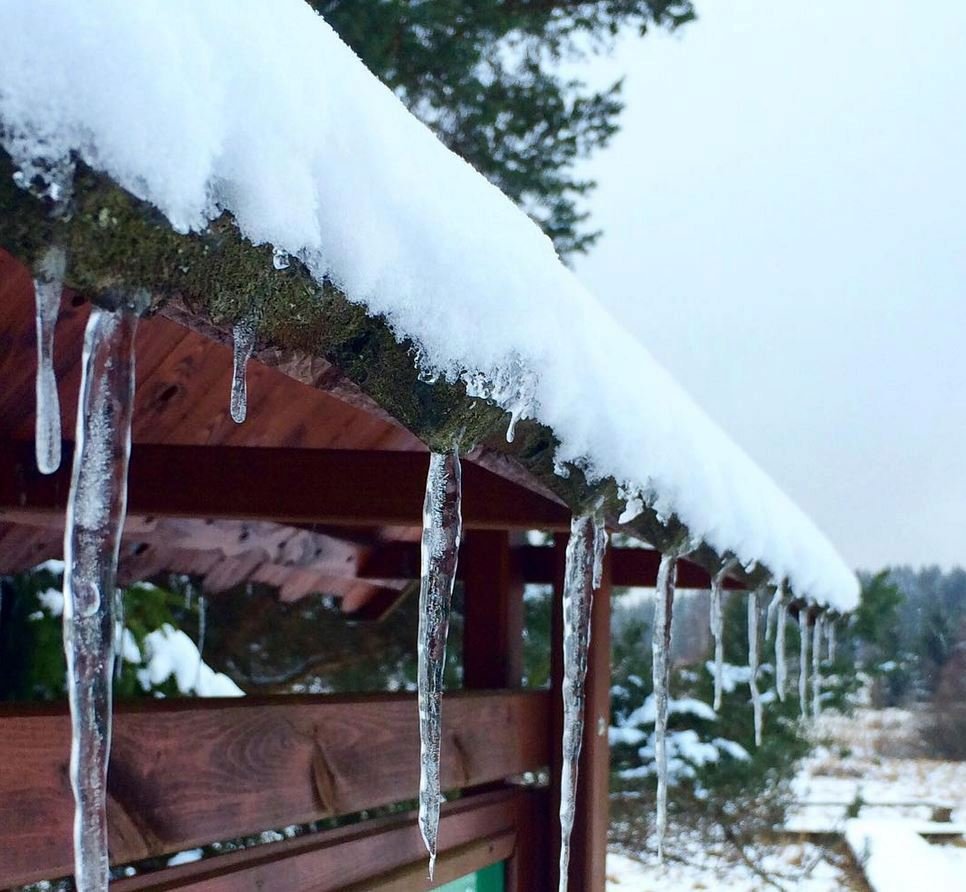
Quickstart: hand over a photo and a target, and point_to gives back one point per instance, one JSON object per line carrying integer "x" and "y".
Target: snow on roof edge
{"x": 276, "y": 121}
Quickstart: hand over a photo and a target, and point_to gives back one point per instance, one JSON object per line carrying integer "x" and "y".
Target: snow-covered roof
{"x": 260, "y": 110}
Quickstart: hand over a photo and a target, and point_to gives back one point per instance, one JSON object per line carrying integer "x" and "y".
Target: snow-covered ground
{"x": 867, "y": 762}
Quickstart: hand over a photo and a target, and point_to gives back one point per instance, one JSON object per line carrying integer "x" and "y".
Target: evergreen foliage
{"x": 486, "y": 76}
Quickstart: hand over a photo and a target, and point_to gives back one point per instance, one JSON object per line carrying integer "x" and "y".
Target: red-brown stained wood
{"x": 386, "y": 853}
{"x": 184, "y": 773}
{"x": 297, "y": 486}
{"x": 493, "y": 611}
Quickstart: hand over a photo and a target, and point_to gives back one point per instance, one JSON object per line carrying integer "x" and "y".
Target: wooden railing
{"x": 189, "y": 772}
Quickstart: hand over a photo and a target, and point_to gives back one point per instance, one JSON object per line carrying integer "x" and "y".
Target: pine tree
{"x": 485, "y": 76}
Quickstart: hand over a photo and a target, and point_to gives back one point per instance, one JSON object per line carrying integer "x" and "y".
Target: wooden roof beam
{"x": 344, "y": 487}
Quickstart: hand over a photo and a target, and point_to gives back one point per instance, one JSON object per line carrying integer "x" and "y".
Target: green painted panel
{"x": 489, "y": 879}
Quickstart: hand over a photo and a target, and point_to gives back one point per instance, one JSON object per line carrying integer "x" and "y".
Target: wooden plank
{"x": 188, "y": 772}
{"x": 299, "y": 486}
{"x": 630, "y": 566}
{"x": 493, "y": 610}
{"x": 384, "y": 854}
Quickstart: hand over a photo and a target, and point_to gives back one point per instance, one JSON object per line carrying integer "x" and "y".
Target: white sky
{"x": 785, "y": 219}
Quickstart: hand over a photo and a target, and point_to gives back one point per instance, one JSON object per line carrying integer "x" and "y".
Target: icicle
{"x": 48, "y": 285}
{"x": 772, "y": 614}
{"x": 781, "y": 665}
{"x": 830, "y": 633}
{"x": 601, "y": 538}
{"x": 202, "y": 624}
{"x": 95, "y": 517}
{"x": 803, "y": 661}
{"x": 717, "y": 629}
{"x": 582, "y": 574}
{"x": 243, "y": 344}
{"x": 661, "y": 655}
{"x": 442, "y": 530}
{"x": 118, "y": 632}
{"x": 817, "y": 666}
{"x": 754, "y": 621}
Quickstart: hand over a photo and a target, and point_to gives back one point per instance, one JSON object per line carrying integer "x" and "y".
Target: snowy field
{"x": 867, "y": 764}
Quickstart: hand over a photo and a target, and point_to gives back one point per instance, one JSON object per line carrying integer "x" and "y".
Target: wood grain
{"x": 184, "y": 773}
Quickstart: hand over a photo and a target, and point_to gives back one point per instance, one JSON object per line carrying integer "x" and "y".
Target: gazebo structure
{"x": 322, "y": 488}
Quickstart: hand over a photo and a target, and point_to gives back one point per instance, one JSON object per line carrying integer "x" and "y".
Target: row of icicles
{"x": 95, "y": 519}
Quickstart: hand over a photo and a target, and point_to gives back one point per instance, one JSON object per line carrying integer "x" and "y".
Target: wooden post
{"x": 589, "y": 838}
{"x": 493, "y": 658}
{"x": 493, "y": 605}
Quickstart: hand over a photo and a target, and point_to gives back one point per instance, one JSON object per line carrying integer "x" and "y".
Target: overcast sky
{"x": 785, "y": 217}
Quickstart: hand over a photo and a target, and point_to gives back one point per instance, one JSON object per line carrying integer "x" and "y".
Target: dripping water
{"x": 243, "y": 343}
{"x": 754, "y": 621}
{"x": 95, "y": 518}
{"x": 48, "y": 286}
{"x": 442, "y": 530}
{"x": 582, "y": 574}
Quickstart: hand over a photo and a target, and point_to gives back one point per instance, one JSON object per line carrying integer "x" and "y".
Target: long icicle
{"x": 661, "y": 656}
{"x": 717, "y": 629}
{"x": 95, "y": 517}
{"x": 442, "y": 531}
{"x": 48, "y": 286}
{"x": 830, "y": 633}
{"x": 803, "y": 661}
{"x": 781, "y": 664}
{"x": 772, "y": 614}
{"x": 582, "y": 574}
{"x": 754, "y": 621}
{"x": 817, "y": 666}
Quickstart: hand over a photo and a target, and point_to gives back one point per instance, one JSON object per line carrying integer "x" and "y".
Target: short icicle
{"x": 442, "y": 530}
{"x": 661, "y": 656}
{"x": 717, "y": 629}
{"x": 95, "y": 517}
{"x": 243, "y": 343}
{"x": 803, "y": 661}
{"x": 582, "y": 574}
{"x": 48, "y": 286}
{"x": 754, "y": 621}
{"x": 781, "y": 664}
{"x": 817, "y": 630}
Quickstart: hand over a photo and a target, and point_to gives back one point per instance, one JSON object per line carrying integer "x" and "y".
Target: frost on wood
{"x": 243, "y": 343}
{"x": 754, "y": 621}
{"x": 582, "y": 574}
{"x": 95, "y": 518}
{"x": 781, "y": 664}
{"x": 48, "y": 285}
{"x": 803, "y": 661}
{"x": 717, "y": 629}
{"x": 442, "y": 529}
{"x": 817, "y": 666}
{"x": 661, "y": 654}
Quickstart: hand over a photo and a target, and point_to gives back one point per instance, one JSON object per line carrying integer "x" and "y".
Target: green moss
{"x": 116, "y": 242}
